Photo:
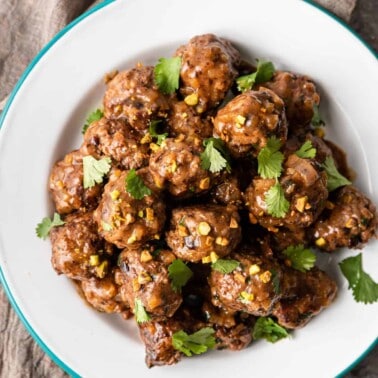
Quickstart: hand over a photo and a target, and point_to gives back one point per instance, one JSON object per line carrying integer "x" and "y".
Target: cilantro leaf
{"x": 197, "y": 343}
{"x": 140, "y": 312}
{"x": 225, "y": 266}
{"x": 43, "y": 229}
{"x": 364, "y": 288}
{"x": 306, "y": 151}
{"x": 270, "y": 159}
{"x": 94, "y": 116}
{"x": 153, "y": 131}
{"x": 316, "y": 120}
{"x": 334, "y": 178}
{"x": 179, "y": 273}
{"x": 215, "y": 157}
{"x": 277, "y": 204}
{"x": 135, "y": 186}
{"x": 268, "y": 329}
{"x": 167, "y": 74}
{"x": 301, "y": 258}
{"x": 264, "y": 72}
{"x": 94, "y": 170}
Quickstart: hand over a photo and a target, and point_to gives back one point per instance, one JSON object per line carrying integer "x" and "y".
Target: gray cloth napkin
{"x": 25, "y": 27}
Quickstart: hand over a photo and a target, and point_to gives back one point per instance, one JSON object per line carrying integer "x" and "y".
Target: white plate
{"x": 43, "y": 121}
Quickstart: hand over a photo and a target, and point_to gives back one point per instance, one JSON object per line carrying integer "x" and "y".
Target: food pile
{"x": 197, "y": 198}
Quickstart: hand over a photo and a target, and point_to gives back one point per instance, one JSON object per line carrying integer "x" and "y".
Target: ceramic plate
{"x": 43, "y": 120}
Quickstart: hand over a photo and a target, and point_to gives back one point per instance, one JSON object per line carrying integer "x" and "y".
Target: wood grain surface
{"x": 25, "y": 27}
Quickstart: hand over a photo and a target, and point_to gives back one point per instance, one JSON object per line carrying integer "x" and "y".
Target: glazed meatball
{"x": 299, "y": 94}
{"x": 251, "y": 287}
{"x": 103, "y": 295}
{"x": 208, "y": 70}
{"x": 304, "y": 296}
{"x": 350, "y": 221}
{"x": 176, "y": 165}
{"x": 157, "y": 338}
{"x": 124, "y": 220}
{"x": 116, "y": 139}
{"x": 183, "y": 119}
{"x": 133, "y": 95}
{"x": 198, "y": 232}
{"x": 77, "y": 249}
{"x": 146, "y": 278}
{"x": 247, "y": 121}
{"x": 305, "y": 188}
{"x": 66, "y": 185}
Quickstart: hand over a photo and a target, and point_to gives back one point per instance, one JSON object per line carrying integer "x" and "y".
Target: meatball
{"x": 201, "y": 232}
{"x": 304, "y": 296}
{"x": 183, "y": 119}
{"x": 146, "y": 278}
{"x": 251, "y": 287}
{"x": 247, "y": 121}
{"x": 127, "y": 221}
{"x": 305, "y": 188}
{"x": 350, "y": 221}
{"x": 157, "y": 337}
{"x": 66, "y": 185}
{"x": 208, "y": 70}
{"x": 103, "y": 295}
{"x": 116, "y": 139}
{"x": 177, "y": 165}
{"x": 299, "y": 94}
{"x": 133, "y": 95}
{"x": 77, "y": 249}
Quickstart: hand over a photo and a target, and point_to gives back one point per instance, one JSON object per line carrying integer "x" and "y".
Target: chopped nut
{"x": 206, "y": 260}
{"x": 233, "y": 223}
{"x": 351, "y": 222}
{"x": 222, "y": 241}
{"x": 204, "y": 183}
{"x": 204, "y": 228}
{"x": 94, "y": 260}
{"x": 118, "y": 109}
{"x": 154, "y": 147}
{"x": 320, "y": 242}
{"x": 150, "y": 214}
{"x": 145, "y": 256}
{"x": 184, "y": 115}
{"x": 319, "y": 132}
{"x": 300, "y": 203}
{"x": 182, "y": 230}
{"x": 191, "y": 99}
{"x": 180, "y": 138}
{"x": 240, "y": 120}
{"x": 254, "y": 269}
{"x": 200, "y": 109}
{"x": 102, "y": 269}
{"x": 135, "y": 236}
{"x": 60, "y": 184}
{"x": 239, "y": 277}
{"x": 266, "y": 276}
{"x": 136, "y": 284}
{"x": 140, "y": 213}
{"x": 329, "y": 205}
{"x": 174, "y": 166}
{"x": 213, "y": 257}
{"x": 129, "y": 218}
{"x": 146, "y": 139}
{"x": 144, "y": 278}
{"x": 154, "y": 301}
{"x": 247, "y": 296}
{"x": 115, "y": 195}
{"x": 209, "y": 241}
{"x": 167, "y": 257}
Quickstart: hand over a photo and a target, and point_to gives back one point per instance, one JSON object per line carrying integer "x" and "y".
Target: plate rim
{"x": 8, "y": 104}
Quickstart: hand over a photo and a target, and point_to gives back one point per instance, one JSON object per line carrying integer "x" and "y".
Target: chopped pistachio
{"x": 154, "y": 147}
{"x": 213, "y": 257}
{"x": 174, "y": 166}
{"x": 320, "y": 242}
{"x": 182, "y": 230}
{"x": 144, "y": 278}
{"x": 145, "y": 256}
{"x": 204, "y": 183}
{"x": 233, "y": 223}
{"x": 222, "y": 241}
{"x": 266, "y": 276}
{"x": 239, "y": 277}
{"x": 146, "y": 139}
{"x": 254, "y": 269}
{"x": 204, "y": 228}
{"x": 209, "y": 241}
{"x": 206, "y": 260}
{"x": 140, "y": 213}
{"x": 150, "y": 214}
{"x": 94, "y": 260}
{"x": 115, "y": 194}
{"x": 350, "y": 223}
{"x": 240, "y": 119}
{"x": 135, "y": 284}
{"x": 191, "y": 99}
{"x": 129, "y": 218}
{"x": 102, "y": 269}
{"x": 300, "y": 203}
{"x": 248, "y": 297}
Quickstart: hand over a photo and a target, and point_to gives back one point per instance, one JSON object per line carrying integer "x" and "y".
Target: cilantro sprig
{"x": 307, "y": 150}
{"x": 316, "y": 119}
{"x": 167, "y": 74}
{"x": 215, "y": 157}
{"x": 94, "y": 170}
{"x": 268, "y": 329}
{"x": 334, "y": 178}
{"x": 179, "y": 274}
{"x": 225, "y": 266}
{"x": 276, "y": 203}
{"x": 264, "y": 72}
{"x": 197, "y": 343}
{"x": 153, "y": 130}
{"x": 364, "y": 288}
{"x": 43, "y": 228}
{"x": 96, "y": 115}
{"x": 301, "y": 258}
{"x": 135, "y": 185}
{"x": 270, "y": 159}
{"x": 140, "y": 312}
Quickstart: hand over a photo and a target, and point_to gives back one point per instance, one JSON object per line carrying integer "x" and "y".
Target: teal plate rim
{"x": 13, "y": 94}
